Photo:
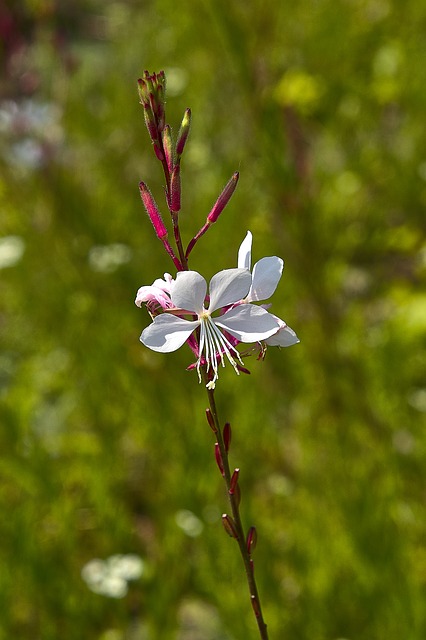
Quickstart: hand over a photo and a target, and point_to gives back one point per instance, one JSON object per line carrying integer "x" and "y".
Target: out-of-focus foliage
{"x": 104, "y": 447}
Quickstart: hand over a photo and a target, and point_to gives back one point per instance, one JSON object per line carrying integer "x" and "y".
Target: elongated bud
{"x": 255, "y": 605}
{"x": 175, "y": 190}
{"x": 152, "y": 211}
{"x": 219, "y": 460}
{"x": 210, "y": 420}
{"x": 183, "y": 132}
{"x": 234, "y": 482}
{"x": 227, "y": 436}
{"x": 168, "y": 147}
{"x": 223, "y": 199}
{"x": 229, "y": 526}
{"x": 251, "y": 540}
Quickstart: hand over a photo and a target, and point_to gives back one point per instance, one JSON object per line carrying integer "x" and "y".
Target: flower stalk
{"x": 213, "y": 321}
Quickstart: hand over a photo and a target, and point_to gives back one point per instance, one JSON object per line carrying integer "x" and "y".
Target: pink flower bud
{"x": 175, "y": 190}
{"x": 158, "y": 152}
{"x": 223, "y": 199}
{"x": 152, "y": 211}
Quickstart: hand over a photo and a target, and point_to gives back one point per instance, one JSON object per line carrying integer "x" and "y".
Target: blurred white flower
{"x": 110, "y": 577}
{"x": 189, "y": 523}
{"x": 11, "y": 251}
{"x": 107, "y": 258}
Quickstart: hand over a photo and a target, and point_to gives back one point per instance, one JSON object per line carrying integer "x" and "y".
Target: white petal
{"x": 266, "y": 276}
{"x": 167, "y": 333}
{"x": 285, "y": 337}
{"x": 244, "y": 252}
{"x": 189, "y": 291}
{"x": 228, "y": 286}
{"x": 248, "y": 323}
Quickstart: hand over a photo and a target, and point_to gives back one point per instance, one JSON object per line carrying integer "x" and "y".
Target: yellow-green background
{"x": 321, "y": 107}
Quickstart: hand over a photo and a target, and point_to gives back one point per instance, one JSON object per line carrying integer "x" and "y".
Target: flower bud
{"x": 210, "y": 420}
{"x": 219, "y": 460}
{"x": 167, "y": 146}
{"x": 183, "y": 132}
{"x": 227, "y": 436}
{"x": 255, "y": 605}
{"x": 251, "y": 540}
{"x": 234, "y": 482}
{"x": 229, "y": 526}
{"x": 152, "y": 211}
{"x": 223, "y": 199}
{"x": 151, "y": 90}
{"x": 175, "y": 190}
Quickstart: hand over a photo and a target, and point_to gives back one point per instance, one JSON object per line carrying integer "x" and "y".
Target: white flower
{"x": 265, "y": 278}
{"x": 245, "y": 322}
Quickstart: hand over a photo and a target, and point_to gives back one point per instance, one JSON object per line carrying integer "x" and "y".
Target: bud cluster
{"x": 152, "y": 93}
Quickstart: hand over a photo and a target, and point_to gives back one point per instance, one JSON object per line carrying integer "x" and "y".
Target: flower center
{"x": 213, "y": 344}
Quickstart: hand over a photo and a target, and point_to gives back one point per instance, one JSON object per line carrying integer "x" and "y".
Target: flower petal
{"x": 189, "y": 291}
{"x": 228, "y": 286}
{"x": 285, "y": 337}
{"x": 167, "y": 333}
{"x": 248, "y": 323}
{"x": 266, "y": 276}
{"x": 244, "y": 252}
{"x": 151, "y": 293}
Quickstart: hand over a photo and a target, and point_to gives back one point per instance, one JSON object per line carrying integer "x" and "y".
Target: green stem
{"x": 234, "y": 502}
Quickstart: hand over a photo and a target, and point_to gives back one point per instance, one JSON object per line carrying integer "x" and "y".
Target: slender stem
{"x": 179, "y": 245}
{"x": 234, "y": 501}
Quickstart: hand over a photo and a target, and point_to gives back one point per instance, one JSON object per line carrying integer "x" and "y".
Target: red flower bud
{"x": 210, "y": 420}
{"x": 227, "y": 436}
{"x": 251, "y": 540}
{"x": 219, "y": 460}
{"x": 229, "y": 526}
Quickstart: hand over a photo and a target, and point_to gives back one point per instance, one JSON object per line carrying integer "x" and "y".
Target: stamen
{"x": 214, "y": 344}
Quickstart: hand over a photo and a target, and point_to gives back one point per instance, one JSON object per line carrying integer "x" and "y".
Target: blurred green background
{"x": 104, "y": 446}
